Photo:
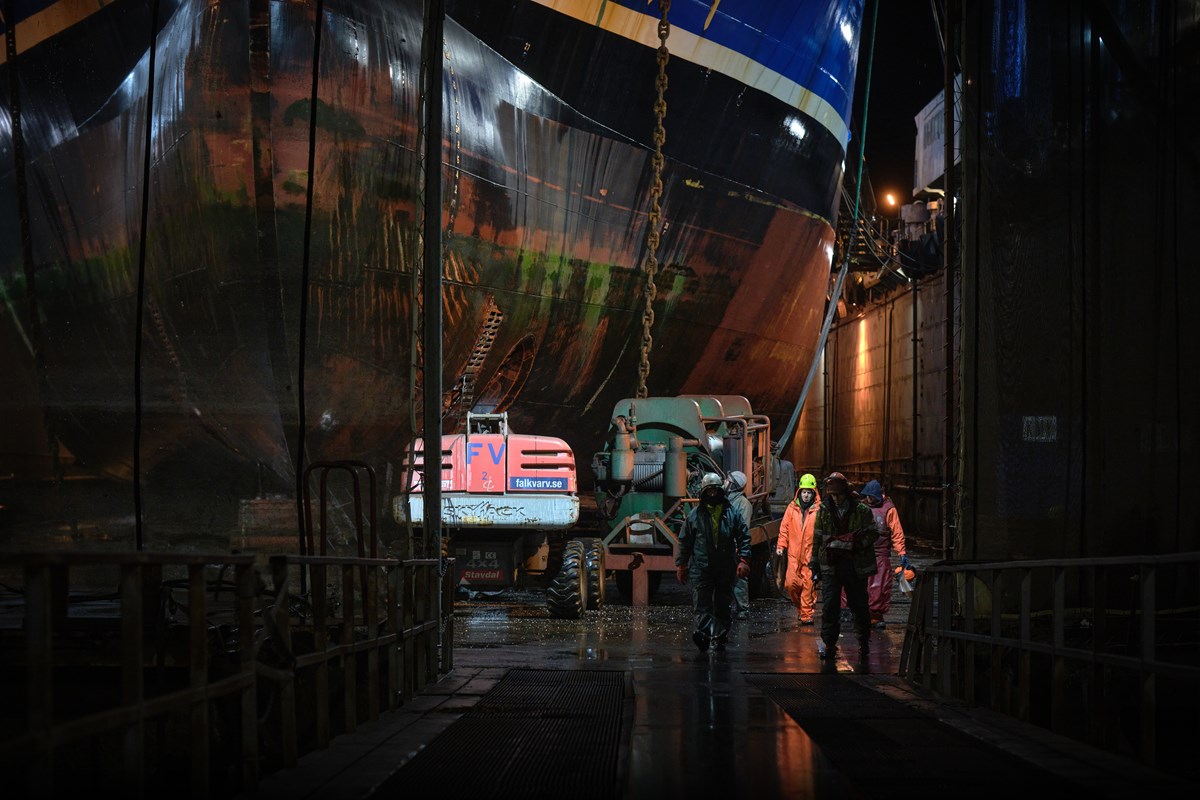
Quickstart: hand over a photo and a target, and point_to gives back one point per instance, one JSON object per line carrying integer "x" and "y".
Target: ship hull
{"x": 223, "y": 321}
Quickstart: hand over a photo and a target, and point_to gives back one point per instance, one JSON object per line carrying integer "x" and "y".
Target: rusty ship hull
{"x": 178, "y": 286}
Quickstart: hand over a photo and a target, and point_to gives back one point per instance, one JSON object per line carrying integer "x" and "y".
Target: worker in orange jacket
{"x": 796, "y": 537}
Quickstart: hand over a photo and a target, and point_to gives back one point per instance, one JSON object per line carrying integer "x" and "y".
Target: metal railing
{"x": 184, "y": 673}
{"x": 1102, "y": 650}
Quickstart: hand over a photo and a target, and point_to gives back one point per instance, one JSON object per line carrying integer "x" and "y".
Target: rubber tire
{"x": 567, "y": 596}
{"x": 624, "y": 580}
{"x": 596, "y": 574}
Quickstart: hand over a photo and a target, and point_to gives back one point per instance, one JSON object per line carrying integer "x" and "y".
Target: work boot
{"x": 701, "y": 640}
{"x": 806, "y": 621}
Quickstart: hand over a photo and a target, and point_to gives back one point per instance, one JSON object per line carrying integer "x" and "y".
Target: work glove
{"x": 681, "y": 572}
{"x": 904, "y": 561}
{"x": 743, "y": 569}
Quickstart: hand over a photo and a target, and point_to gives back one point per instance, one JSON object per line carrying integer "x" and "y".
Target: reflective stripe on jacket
{"x": 703, "y": 552}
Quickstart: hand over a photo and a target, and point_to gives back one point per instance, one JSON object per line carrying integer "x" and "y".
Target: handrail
{"x": 1064, "y": 643}
{"x": 370, "y": 626}
{"x": 351, "y": 468}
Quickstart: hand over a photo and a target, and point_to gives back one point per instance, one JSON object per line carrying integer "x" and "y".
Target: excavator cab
{"x": 504, "y": 495}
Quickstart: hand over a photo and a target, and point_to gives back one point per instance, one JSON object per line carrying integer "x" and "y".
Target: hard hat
{"x": 808, "y": 481}
{"x": 737, "y": 480}
{"x": 711, "y": 479}
{"x": 835, "y": 477}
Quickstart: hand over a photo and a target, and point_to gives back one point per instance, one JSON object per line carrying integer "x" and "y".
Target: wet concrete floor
{"x": 764, "y": 718}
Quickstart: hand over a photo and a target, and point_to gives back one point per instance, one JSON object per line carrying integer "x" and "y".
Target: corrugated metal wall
{"x": 865, "y": 396}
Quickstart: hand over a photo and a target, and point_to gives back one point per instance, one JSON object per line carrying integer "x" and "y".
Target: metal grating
{"x": 889, "y": 749}
{"x": 537, "y": 733}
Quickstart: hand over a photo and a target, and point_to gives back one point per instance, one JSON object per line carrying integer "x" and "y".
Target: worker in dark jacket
{"x": 843, "y": 555}
{"x": 741, "y": 504}
{"x": 714, "y": 550}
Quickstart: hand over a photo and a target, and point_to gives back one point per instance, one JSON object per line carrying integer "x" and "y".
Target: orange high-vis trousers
{"x": 799, "y": 583}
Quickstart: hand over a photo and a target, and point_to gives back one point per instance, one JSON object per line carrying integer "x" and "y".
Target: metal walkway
{"x": 538, "y": 733}
{"x": 621, "y": 705}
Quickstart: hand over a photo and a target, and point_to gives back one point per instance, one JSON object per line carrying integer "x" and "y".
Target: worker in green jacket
{"x": 843, "y": 557}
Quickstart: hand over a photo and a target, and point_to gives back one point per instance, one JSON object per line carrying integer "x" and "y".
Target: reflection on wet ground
{"x": 514, "y": 628}
{"x": 697, "y": 725}
{"x": 764, "y": 718}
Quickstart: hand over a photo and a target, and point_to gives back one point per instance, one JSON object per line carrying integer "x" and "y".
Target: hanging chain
{"x": 656, "y": 190}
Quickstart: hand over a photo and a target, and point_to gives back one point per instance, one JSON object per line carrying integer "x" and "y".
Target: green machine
{"x": 647, "y": 479}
